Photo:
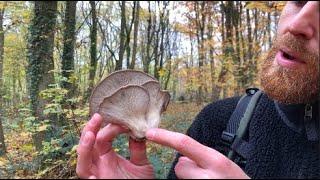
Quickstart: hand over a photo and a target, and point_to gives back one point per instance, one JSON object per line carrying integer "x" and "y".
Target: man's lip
{"x": 287, "y": 63}
{"x": 293, "y": 54}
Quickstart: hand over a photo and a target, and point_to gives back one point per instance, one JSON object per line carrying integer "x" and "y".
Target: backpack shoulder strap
{"x": 239, "y": 120}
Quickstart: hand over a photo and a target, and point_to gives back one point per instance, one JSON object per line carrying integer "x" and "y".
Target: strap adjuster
{"x": 227, "y": 138}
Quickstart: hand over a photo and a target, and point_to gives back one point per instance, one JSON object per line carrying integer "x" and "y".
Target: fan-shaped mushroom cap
{"x": 114, "y": 82}
{"x": 130, "y": 98}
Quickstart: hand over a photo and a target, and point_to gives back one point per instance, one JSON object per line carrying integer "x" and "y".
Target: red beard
{"x": 291, "y": 86}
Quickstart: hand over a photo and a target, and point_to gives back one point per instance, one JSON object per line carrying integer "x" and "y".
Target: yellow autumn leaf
{"x": 3, "y": 161}
{"x": 42, "y": 127}
{"x": 73, "y": 162}
{"x": 24, "y": 135}
{"x": 162, "y": 72}
{"x": 27, "y": 148}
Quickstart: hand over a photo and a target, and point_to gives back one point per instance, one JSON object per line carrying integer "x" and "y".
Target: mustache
{"x": 298, "y": 45}
{"x": 291, "y": 86}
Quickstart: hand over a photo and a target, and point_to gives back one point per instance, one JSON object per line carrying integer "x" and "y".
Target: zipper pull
{"x": 308, "y": 112}
{"x": 310, "y": 125}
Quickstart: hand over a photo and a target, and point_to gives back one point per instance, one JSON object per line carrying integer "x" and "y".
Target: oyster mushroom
{"x": 114, "y": 82}
{"x": 134, "y": 99}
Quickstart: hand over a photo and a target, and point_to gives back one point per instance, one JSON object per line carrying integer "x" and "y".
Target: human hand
{"x": 199, "y": 161}
{"x": 97, "y": 159}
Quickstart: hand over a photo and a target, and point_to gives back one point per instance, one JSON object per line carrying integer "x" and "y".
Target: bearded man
{"x": 283, "y": 133}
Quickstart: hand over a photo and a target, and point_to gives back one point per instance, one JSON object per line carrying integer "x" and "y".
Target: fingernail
{"x": 95, "y": 115}
{"x": 86, "y": 139}
{"x": 183, "y": 158}
{"x": 150, "y": 134}
{"x": 94, "y": 119}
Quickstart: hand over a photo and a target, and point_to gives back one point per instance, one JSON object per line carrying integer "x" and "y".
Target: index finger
{"x": 185, "y": 145}
{"x": 93, "y": 125}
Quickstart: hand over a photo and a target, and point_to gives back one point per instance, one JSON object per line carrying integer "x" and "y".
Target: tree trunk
{"x": 242, "y": 42}
{"x": 249, "y": 50}
{"x": 200, "y": 21}
{"x": 40, "y": 58}
{"x": 170, "y": 48}
{"x": 150, "y": 34}
{"x": 191, "y": 51}
{"x": 163, "y": 25}
{"x": 135, "y": 35}
{"x": 269, "y": 31}
{"x": 169, "y": 61}
{"x": 69, "y": 39}
{"x": 237, "y": 62}
{"x": 214, "y": 87}
{"x": 128, "y": 35}
{"x": 93, "y": 48}
{"x": 249, "y": 57}
{"x": 122, "y": 35}
{"x": 243, "y": 50}
{"x": 227, "y": 45}
{"x": 2, "y": 141}
{"x": 156, "y": 52}
{"x": 257, "y": 49}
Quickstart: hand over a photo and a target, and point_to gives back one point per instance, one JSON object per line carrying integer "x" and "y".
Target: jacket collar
{"x": 301, "y": 118}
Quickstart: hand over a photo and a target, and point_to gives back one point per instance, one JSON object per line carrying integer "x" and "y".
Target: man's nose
{"x": 306, "y": 21}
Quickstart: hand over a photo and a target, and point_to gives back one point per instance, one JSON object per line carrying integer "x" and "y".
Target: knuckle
{"x": 184, "y": 142}
{"x": 99, "y": 137}
{"x": 223, "y": 162}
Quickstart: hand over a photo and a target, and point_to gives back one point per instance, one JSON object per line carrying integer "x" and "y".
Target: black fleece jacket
{"x": 277, "y": 133}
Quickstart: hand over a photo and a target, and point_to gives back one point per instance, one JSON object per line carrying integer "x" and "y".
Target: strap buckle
{"x": 227, "y": 138}
{"x": 251, "y": 91}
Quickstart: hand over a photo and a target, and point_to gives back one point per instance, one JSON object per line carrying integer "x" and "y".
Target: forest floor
{"x": 19, "y": 162}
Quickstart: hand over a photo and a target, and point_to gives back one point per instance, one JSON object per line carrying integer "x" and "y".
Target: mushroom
{"x": 130, "y": 98}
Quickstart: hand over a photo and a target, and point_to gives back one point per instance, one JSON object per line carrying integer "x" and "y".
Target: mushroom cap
{"x": 114, "y": 82}
{"x": 130, "y": 98}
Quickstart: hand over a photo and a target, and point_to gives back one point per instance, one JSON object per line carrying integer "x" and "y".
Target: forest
{"x": 53, "y": 53}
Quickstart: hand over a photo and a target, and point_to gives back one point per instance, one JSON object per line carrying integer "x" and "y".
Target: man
{"x": 284, "y": 140}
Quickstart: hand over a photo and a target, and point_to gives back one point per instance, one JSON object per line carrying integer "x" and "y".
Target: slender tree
{"x": 156, "y": 46}
{"x": 122, "y": 36}
{"x": 249, "y": 50}
{"x": 128, "y": 29}
{"x": 93, "y": 47}
{"x": 69, "y": 39}
{"x": 150, "y": 36}
{"x": 135, "y": 35}
{"x": 40, "y": 58}
{"x": 227, "y": 44}
{"x": 164, "y": 22}
{"x": 201, "y": 19}
{"x": 2, "y": 140}
{"x": 214, "y": 87}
